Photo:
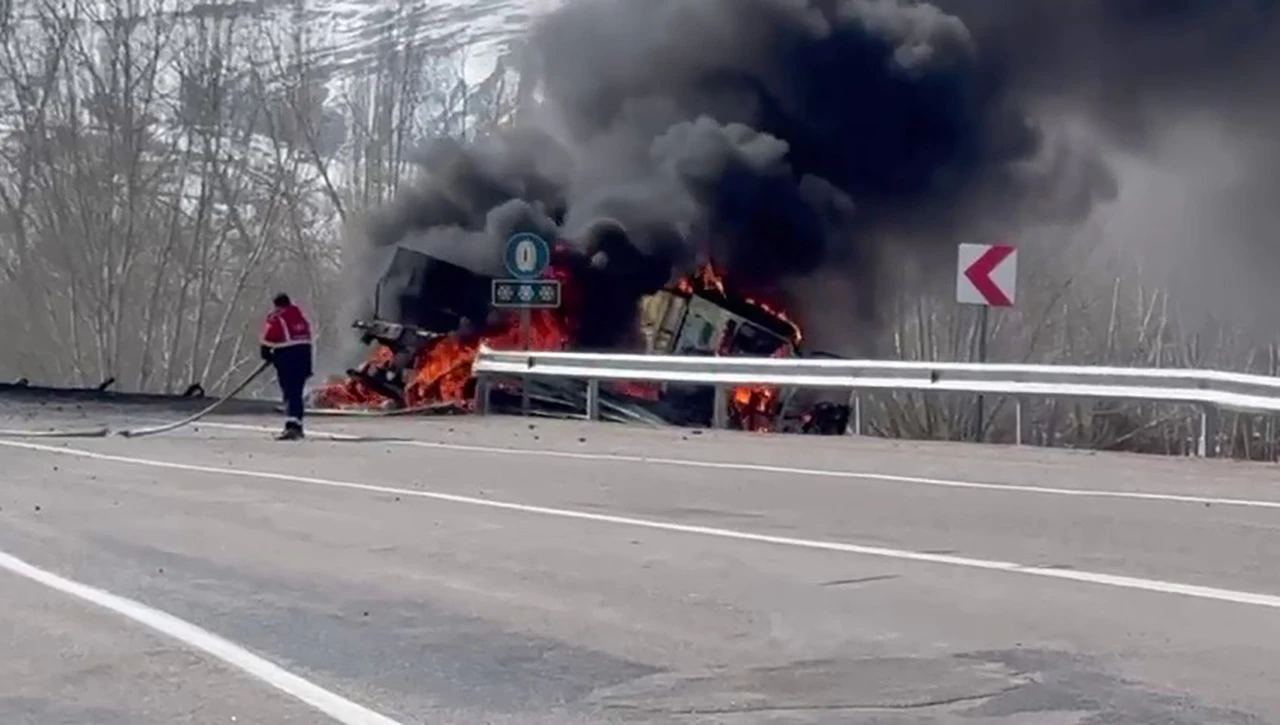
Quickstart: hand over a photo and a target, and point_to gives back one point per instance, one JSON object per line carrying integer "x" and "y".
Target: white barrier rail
{"x": 1209, "y": 389}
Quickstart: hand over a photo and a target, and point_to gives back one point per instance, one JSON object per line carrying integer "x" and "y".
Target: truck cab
{"x": 702, "y": 322}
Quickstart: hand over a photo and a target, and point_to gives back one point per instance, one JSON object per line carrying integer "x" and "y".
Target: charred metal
{"x": 422, "y": 300}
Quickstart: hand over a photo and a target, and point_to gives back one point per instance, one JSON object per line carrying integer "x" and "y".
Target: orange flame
{"x": 756, "y": 406}
{"x": 753, "y": 406}
{"x": 710, "y": 279}
{"x": 442, "y": 371}
{"x": 631, "y": 389}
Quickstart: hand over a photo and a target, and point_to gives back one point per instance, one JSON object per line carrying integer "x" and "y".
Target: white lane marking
{"x": 335, "y": 706}
{"x": 810, "y": 472}
{"x": 1113, "y": 580}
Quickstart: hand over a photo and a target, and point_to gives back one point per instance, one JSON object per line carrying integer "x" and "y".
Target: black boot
{"x": 292, "y": 432}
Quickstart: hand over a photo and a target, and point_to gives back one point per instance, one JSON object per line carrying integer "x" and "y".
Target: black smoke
{"x": 1189, "y": 87}
{"x": 793, "y": 139}
{"x": 1130, "y": 64}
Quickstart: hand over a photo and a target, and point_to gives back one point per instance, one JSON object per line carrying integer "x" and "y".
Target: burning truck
{"x": 431, "y": 316}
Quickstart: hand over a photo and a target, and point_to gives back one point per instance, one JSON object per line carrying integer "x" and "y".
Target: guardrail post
{"x": 1211, "y": 432}
{"x": 593, "y": 399}
{"x": 1017, "y": 421}
{"x": 720, "y": 413}
{"x": 1202, "y": 445}
{"x": 857, "y": 414}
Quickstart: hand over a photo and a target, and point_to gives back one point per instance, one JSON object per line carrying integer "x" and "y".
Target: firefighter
{"x": 286, "y": 344}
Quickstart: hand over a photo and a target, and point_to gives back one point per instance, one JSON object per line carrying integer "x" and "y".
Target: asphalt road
{"x": 507, "y": 571}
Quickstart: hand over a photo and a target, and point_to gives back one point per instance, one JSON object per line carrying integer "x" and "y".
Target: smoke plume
{"x": 1183, "y": 95}
{"x": 804, "y": 144}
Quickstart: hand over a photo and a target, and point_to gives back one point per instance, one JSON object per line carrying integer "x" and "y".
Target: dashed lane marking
{"x": 1111, "y": 580}
{"x": 785, "y": 470}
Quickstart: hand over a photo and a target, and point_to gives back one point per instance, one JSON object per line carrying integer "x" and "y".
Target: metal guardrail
{"x": 1208, "y": 389}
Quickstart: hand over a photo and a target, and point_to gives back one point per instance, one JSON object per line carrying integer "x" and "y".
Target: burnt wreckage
{"x": 422, "y": 300}
{"x": 418, "y": 300}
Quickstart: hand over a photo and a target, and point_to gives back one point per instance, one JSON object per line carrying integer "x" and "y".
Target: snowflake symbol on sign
{"x": 504, "y": 292}
{"x": 526, "y": 293}
{"x": 547, "y": 293}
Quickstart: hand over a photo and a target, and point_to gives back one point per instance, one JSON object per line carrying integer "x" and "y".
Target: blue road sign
{"x": 526, "y": 293}
{"x": 527, "y": 256}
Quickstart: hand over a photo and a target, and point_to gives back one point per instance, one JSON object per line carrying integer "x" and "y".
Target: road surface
{"x": 512, "y": 571}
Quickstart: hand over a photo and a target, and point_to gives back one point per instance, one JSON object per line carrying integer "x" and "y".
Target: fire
{"x": 644, "y": 391}
{"x": 753, "y": 406}
{"x": 351, "y": 392}
{"x": 441, "y": 372}
{"x": 710, "y": 279}
{"x": 706, "y": 278}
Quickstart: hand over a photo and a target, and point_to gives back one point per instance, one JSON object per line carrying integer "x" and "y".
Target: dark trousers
{"x": 293, "y": 368}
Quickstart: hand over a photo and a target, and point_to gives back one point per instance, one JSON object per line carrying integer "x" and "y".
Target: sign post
{"x": 527, "y": 258}
{"x": 987, "y": 276}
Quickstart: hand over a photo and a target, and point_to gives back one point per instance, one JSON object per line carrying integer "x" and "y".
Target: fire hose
{"x": 362, "y": 413}
{"x": 156, "y": 430}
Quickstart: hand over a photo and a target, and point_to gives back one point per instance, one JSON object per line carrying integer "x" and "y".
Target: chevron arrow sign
{"x": 987, "y": 275}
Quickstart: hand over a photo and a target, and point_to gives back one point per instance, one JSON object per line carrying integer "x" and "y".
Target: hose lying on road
{"x": 374, "y": 413}
{"x": 155, "y": 430}
{"x": 73, "y": 433}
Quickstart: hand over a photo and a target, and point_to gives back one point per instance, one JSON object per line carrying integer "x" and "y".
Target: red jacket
{"x": 286, "y": 327}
